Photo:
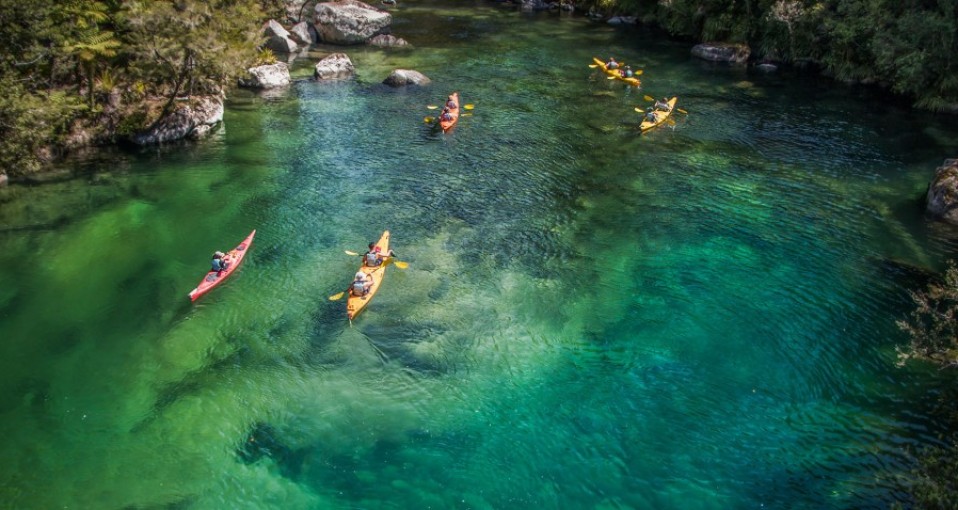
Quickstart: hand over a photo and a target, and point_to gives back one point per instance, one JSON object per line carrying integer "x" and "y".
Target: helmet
{"x": 360, "y": 275}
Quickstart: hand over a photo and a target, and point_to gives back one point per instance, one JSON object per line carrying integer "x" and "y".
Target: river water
{"x": 699, "y": 317}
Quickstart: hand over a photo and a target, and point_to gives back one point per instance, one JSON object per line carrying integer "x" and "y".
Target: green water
{"x": 699, "y": 317}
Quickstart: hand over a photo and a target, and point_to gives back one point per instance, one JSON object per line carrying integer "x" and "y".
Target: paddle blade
{"x": 351, "y": 253}
{"x": 648, "y": 98}
{"x": 432, "y": 107}
{"x": 639, "y": 109}
{"x": 400, "y": 264}
{"x": 681, "y": 111}
{"x": 611, "y": 78}
{"x": 637, "y": 73}
{"x": 429, "y": 120}
{"x": 337, "y": 297}
{"x": 593, "y": 66}
{"x": 468, "y": 106}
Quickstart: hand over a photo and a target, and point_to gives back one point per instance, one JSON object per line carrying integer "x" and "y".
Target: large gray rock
{"x": 193, "y": 119}
{"x": 403, "y": 77}
{"x": 943, "y": 192}
{"x": 303, "y": 34}
{"x": 266, "y": 77}
{"x": 4, "y": 180}
{"x": 335, "y": 67}
{"x": 278, "y": 38}
{"x": 349, "y": 22}
{"x": 722, "y": 52}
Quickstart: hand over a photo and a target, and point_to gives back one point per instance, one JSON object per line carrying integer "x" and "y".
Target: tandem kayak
{"x": 660, "y": 116}
{"x": 632, "y": 81}
{"x": 355, "y": 304}
{"x": 446, "y": 125}
{"x": 233, "y": 259}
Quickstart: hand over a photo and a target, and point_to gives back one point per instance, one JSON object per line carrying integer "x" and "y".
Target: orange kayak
{"x": 633, "y": 81}
{"x": 233, "y": 259}
{"x": 446, "y": 125}
{"x": 355, "y": 304}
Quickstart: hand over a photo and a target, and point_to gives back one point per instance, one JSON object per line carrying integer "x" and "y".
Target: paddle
{"x": 389, "y": 260}
{"x": 593, "y": 66}
{"x": 468, "y": 106}
{"x": 432, "y": 107}
{"x": 429, "y": 120}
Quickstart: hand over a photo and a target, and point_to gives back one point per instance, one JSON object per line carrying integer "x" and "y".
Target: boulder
{"x": 335, "y": 67}
{"x": 303, "y": 33}
{"x": 622, "y": 20}
{"x": 942, "y": 194}
{"x": 199, "y": 112}
{"x": 4, "y": 180}
{"x": 766, "y": 67}
{"x": 722, "y": 52}
{"x": 266, "y": 76}
{"x": 349, "y": 22}
{"x": 388, "y": 41}
{"x": 403, "y": 77}
{"x": 278, "y": 38}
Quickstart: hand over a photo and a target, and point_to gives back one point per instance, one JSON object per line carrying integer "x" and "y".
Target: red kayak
{"x": 233, "y": 259}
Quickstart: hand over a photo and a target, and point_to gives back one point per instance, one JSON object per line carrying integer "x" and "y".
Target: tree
{"x": 192, "y": 46}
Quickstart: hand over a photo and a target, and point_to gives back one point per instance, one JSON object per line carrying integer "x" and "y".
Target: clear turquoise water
{"x": 698, "y": 317}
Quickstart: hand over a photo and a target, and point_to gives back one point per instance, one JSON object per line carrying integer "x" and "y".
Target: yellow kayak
{"x": 615, "y": 73}
{"x": 355, "y": 304}
{"x": 660, "y": 116}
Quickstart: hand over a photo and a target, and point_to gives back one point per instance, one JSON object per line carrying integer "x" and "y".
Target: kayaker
{"x": 451, "y": 103}
{"x": 446, "y": 114}
{"x": 219, "y": 263}
{"x": 361, "y": 284}
{"x": 627, "y": 71}
{"x": 375, "y": 257}
{"x": 611, "y": 64}
{"x": 662, "y": 104}
{"x": 650, "y": 117}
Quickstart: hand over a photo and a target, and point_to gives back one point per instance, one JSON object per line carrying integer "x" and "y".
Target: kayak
{"x": 660, "y": 116}
{"x": 446, "y": 125}
{"x": 355, "y": 304}
{"x": 233, "y": 259}
{"x": 633, "y": 81}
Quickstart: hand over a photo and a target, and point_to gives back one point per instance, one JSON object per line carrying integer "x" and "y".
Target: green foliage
{"x": 934, "y": 483}
{"x": 932, "y": 326}
{"x": 30, "y": 123}
{"x": 59, "y": 54}
{"x": 265, "y": 57}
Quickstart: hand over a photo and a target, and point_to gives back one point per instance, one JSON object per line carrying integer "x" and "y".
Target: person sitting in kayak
{"x": 662, "y": 104}
{"x": 451, "y": 103}
{"x": 375, "y": 257}
{"x": 446, "y": 114}
{"x": 611, "y": 64}
{"x": 650, "y": 117}
{"x": 219, "y": 263}
{"x": 627, "y": 71}
{"x": 361, "y": 284}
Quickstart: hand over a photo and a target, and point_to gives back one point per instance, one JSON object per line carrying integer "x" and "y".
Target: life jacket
{"x": 372, "y": 258}
{"x": 359, "y": 287}
{"x": 218, "y": 265}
